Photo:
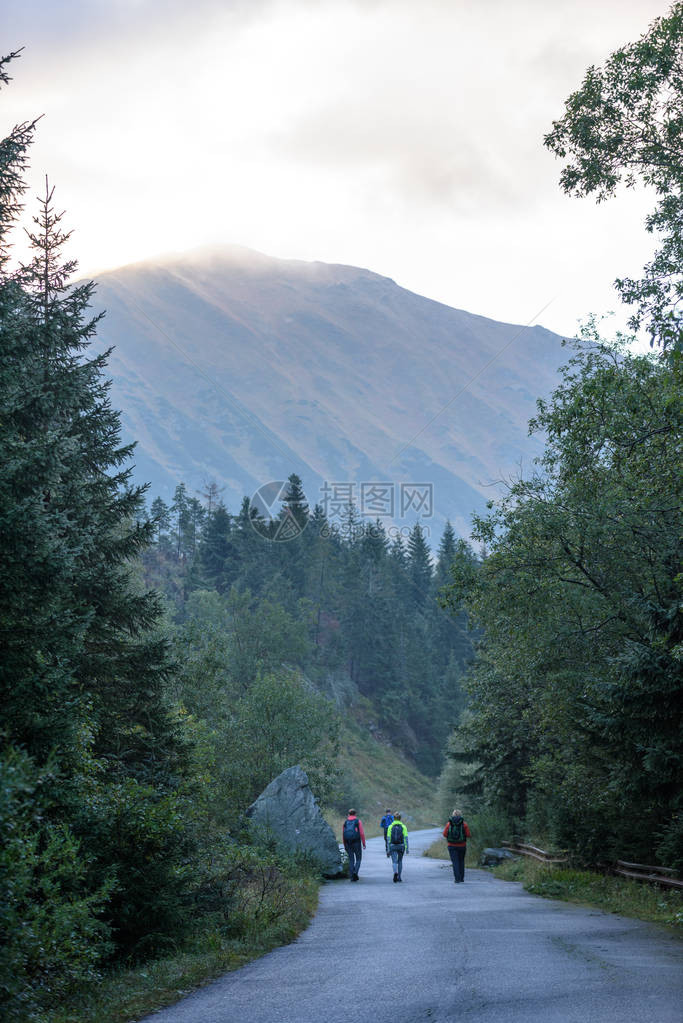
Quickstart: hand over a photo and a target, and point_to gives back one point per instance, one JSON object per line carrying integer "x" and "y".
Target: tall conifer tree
{"x": 83, "y": 674}
{"x": 419, "y": 562}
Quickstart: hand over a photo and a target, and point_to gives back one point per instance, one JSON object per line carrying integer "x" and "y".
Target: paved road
{"x": 429, "y": 950}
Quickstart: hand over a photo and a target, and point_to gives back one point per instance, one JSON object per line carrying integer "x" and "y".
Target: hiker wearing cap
{"x": 397, "y": 836}
{"x": 456, "y": 834}
{"x": 353, "y": 837}
{"x": 384, "y": 825}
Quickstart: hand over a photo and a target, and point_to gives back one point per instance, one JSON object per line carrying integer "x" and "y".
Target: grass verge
{"x": 438, "y": 850}
{"x": 613, "y": 894}
{"x": 601, "y": 891}
{"x": 127, "y": 995}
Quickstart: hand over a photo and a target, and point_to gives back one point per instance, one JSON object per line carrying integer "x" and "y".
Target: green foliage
{"x": 13, "y": 164}
{"x": 575, "y": 696}
{"x": 625, "y": 123}
{"x": 326, "y": 601}
{"x": 456, "y": 779}
{"x": 251, "y": 902}
{"x": 576, "y": 693}
{"x": 147, "y": 838}
{"x": 257, "y": 887}
{"x": 251, "y": 716}
{"x": 278, "y": 723}
{"x": 611, "y": 893}
{"x": 84, "y": 672}
{"x": 51, "y": 932}
{"x": 376, "y": 776}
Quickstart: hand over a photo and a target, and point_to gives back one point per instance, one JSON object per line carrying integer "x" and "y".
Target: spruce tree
{"x": 419, "y": 565}
{"x": 289, "y": 536}
{"x": 160, "y": 514}
{"x": 180, "y": 511}
{"x": 216, "y": 550}
{"x": 446, "y": 555}
{"x": 13, "y": 163}
{"x": 294, "y": 504}
{"x": 86, "y": 494}
{"x": 83, "y": 673}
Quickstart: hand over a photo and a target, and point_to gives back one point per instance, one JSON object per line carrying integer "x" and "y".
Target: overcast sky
{"x": 404, "y": 136}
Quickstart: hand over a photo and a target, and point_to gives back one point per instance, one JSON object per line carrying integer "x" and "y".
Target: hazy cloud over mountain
{"x": 396, "y": 134}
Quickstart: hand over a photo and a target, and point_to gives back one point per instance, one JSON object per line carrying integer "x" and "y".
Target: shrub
{"x": 52, "y": 937}
{"x": 148, "y": 839}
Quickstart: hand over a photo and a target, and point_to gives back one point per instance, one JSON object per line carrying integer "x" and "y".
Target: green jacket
{"x": 405, "y": 833}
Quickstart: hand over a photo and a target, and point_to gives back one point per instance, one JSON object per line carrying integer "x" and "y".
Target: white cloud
{"x": 402, "y": 135}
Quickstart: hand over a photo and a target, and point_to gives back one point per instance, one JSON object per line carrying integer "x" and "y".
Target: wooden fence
{"x": 524, "y": 849}
{"x": 665, "y": 876}
{"x": 655, "y": 875}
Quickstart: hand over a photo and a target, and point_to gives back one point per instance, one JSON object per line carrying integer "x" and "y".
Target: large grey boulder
{"x": 288, "y": 809}
{"x": 493, "y": 857}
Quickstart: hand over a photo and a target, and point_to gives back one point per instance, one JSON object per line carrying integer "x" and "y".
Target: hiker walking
{"x": 384, "y": 825}
{"x": 456, "y": 834}
{"x": 398, "y": 845}
{"x": 353, "y": 837}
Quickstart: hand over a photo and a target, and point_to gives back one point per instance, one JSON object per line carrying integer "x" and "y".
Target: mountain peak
{"x": 236, "y": 366}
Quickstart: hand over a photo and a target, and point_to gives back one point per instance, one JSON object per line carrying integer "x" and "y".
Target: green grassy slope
{"x": 376, "y": 777}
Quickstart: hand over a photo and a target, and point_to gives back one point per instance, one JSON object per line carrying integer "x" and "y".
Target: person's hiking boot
{"x": 400, "y": 879}
{"x": 395, "y": 878}
{"x": 355, "y": 877}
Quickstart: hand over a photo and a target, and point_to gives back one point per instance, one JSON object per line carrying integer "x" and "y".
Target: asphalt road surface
{"x": 429, "y": 950}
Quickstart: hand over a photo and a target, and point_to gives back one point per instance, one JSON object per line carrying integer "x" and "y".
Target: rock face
{"x": 289, "y": 810}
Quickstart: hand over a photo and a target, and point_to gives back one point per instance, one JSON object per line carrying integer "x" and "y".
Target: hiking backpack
{"x": 351, "y": 830}
{"x": 396, "y": 834}
{"x": 456, "y": 830}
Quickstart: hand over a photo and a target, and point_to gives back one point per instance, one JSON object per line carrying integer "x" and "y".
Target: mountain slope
{"x": 233, "y": 366}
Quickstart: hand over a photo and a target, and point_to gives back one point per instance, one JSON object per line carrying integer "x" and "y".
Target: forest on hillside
{"x": 355, "y": 611}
